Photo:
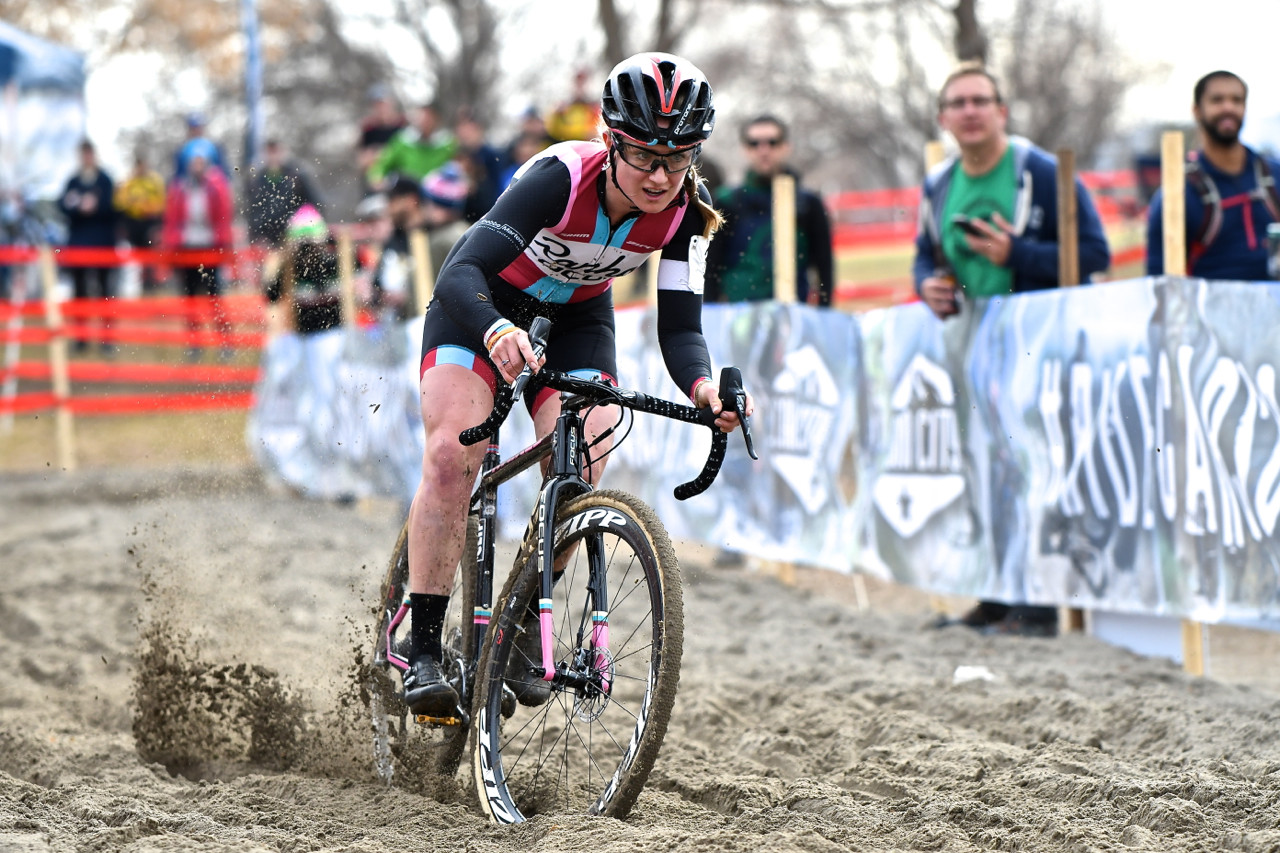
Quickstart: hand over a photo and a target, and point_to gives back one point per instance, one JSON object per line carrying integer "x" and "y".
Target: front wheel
{"x": 589, "y": 746}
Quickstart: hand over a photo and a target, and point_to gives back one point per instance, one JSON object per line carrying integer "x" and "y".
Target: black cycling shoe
{"x": 426, "y": 692}
{"x": 528, "y": 687}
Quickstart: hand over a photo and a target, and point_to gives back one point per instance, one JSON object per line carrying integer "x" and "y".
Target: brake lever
{"x": 734, "y": 398}
{"x": 538, "y": 331}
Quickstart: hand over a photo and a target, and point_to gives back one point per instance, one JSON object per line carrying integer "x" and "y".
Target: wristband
{"x": 496, "y": 332}
{"x": 693, "y": 394}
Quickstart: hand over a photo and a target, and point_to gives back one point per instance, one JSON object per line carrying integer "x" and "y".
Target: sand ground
{"x": 132, "y": 597}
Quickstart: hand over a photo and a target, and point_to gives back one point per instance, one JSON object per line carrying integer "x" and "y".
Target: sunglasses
{"x": 644, "y": 159}
{"x": 771, "y": 142}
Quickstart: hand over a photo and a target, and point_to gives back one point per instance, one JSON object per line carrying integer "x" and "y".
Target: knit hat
{"x": 447, "y": 186}
{"x": 307, "y": 224}
{"x": 199, "y": 147}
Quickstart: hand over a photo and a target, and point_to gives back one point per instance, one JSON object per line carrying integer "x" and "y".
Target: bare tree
{"x": 1065, "y": 76}
{"x": 625, "y": 35}
{"x": 461, "y": 59}
{"x": 970, "y": 41}
{"x": 851, "y": 77}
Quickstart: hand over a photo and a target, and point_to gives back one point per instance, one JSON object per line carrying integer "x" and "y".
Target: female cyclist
{"x": 575, "y": 217}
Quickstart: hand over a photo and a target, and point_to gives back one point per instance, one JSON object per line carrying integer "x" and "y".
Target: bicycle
{"x": 597, "y": 576}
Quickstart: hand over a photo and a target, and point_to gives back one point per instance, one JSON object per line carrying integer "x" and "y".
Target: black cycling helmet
{"x": 649, "y": 86}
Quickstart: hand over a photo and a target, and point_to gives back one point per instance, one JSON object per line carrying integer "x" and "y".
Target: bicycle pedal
{"x": 437, "y": 721}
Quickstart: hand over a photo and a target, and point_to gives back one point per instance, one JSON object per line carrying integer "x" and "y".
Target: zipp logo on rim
{"x": 595, "y": 518}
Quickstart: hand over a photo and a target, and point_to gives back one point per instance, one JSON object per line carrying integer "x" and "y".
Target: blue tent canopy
{"x": 34, "y": 63}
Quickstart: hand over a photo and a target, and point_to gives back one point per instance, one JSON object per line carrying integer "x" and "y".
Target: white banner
{"x": 1110, "y": 447}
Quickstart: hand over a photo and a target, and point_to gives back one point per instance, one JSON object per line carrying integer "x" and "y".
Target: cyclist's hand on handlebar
{"x": 512, "y": 352}
{"x": 727, "y": 421}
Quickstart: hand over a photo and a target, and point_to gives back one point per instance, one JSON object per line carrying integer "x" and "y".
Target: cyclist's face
{"x": 651, "y": 175}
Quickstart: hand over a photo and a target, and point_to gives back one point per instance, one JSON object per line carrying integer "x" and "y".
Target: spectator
{"x": 447, "y": 193}
{"x": 196, "y": 130}
{"x": 523, "y": 149}
{"x": 578, "y": 117}
{"x": 382, "y": 121}
{"x": 415, "y": 151}
{"x": 276, "y": 191}
{"x": 197, "y": 221}
{"x": 308, "y": 278}
{"x": 392, "y": 282}
{"x": 87, "y": 201}
{"x": 1231, "y": 194}
{"x": 533, "y": 127}
{"x": 139, "y": 200}
{"x": 740, "y": 260}
{"x": 1007, "y": 188}
{"x": 482, "y": 162}
{"x": 437, "y": 205}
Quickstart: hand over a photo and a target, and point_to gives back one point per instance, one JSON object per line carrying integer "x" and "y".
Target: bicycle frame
{"x": 562, "y": 481}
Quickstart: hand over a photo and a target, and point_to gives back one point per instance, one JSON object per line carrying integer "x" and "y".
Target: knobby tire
{"x": 584, "y": 751}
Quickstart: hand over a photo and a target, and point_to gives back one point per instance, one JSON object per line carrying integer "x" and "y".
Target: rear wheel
{"x": 400, "y": 744}
{"x": 590, "y": 746}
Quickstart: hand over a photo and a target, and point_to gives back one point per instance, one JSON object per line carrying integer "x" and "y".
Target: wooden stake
{"x": 347, "y": 277}
{"x": 1173, "y": 178}
{"x": 1193, "y": 647}
{"x": 423, "y": 281}
{"x": 1068, "y": 232}
{"x": 784, "y": 238}
{"x": 934, "y": 153}
{"x": 1070, "y": 619}
{"x": 63, "y": 423}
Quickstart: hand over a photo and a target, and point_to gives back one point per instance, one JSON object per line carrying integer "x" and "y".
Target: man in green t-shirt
{"x": 989, "y": 217}
{"x": 415, "y": 151}
{"x": 989, "y": 226}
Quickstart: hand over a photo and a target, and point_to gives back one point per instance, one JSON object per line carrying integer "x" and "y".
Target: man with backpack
{"x": 1231, "y": 194}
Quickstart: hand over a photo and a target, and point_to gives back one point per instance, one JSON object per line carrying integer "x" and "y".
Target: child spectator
{"x": 308, "y": 278}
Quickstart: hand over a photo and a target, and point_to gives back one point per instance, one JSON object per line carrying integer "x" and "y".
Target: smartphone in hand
{"x": 966, "y": 225}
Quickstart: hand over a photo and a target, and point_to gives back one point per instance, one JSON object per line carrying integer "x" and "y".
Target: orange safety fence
{"x": 30, "y": 378}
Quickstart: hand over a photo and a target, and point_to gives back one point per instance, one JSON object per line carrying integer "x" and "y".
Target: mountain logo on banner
{"x": 800, "y": 419}
{"x": 923, "y": 472}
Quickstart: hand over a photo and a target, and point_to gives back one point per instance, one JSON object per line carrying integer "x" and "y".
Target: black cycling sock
{"x": 427, "y": 612}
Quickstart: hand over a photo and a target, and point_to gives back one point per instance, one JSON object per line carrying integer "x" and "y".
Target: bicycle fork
{"x": 591, "y": 665}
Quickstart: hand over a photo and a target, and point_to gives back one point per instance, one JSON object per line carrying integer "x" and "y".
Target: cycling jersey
{"x": 548, "y": 241}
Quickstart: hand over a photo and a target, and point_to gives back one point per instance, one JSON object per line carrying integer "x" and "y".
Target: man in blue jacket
{"x": 989, "y": 226}
{"x": 1231, "y": 194}
{"x": 989, "y": 218}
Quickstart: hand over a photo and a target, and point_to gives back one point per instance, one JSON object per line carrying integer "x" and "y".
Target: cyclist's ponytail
{"x": 711, "y": 218}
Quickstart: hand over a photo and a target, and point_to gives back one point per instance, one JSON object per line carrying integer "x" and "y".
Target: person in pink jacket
{"x": 197, "y": 221}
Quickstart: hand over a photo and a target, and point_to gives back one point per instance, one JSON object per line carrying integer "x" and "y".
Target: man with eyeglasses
{"x": 988, "y": 220}
{"x": 988, "y": 226}
{"x": 740, "y": 260}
